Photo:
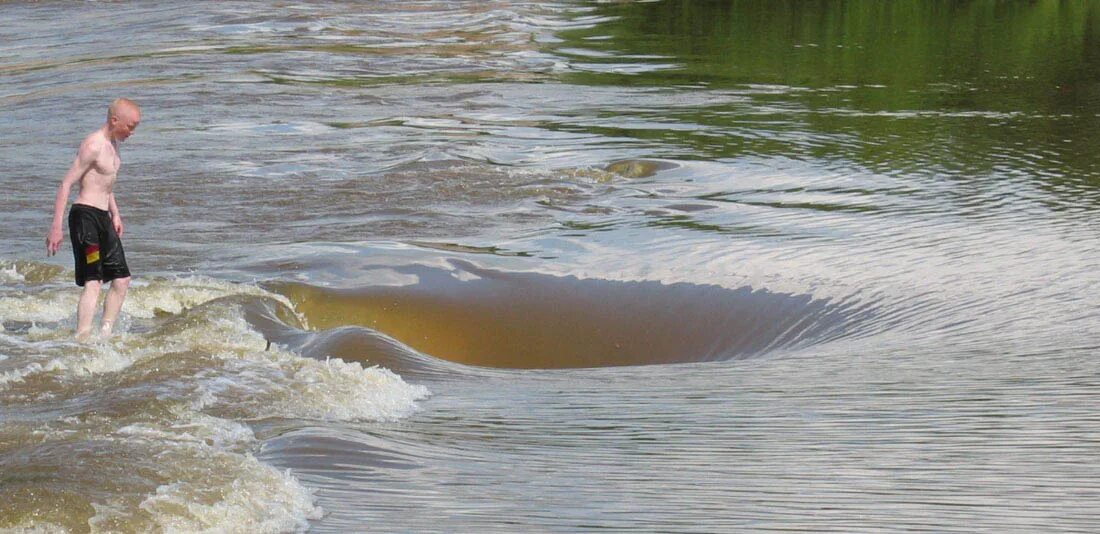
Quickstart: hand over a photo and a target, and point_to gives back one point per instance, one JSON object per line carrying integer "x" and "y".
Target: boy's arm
{"x": 85, "y": 157}
{"x": 116, "y": 217}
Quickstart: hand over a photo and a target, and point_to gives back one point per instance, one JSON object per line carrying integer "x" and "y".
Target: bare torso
{"x": 98, "y": 183}
{"x": 94, "y": 171}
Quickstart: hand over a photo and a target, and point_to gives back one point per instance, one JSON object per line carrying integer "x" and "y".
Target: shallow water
{"x": 452, "y": 266}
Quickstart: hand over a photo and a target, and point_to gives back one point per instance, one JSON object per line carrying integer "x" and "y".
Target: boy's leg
{"x": 113, "y": 303}
{"x": 88, "y": 266}
{"x": 85, "y": 309}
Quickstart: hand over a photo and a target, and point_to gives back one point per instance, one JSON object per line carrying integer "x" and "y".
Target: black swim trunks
{"x": 96, "y": 246}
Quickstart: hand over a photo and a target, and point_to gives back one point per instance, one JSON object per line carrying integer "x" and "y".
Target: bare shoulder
{"x": 93, "y": 143}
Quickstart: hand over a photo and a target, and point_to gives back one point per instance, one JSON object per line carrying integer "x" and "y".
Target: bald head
{"x": 121, "y": 106}
{"x": 123, "y": 117}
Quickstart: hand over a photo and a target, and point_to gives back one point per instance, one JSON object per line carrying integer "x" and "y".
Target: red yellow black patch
{"x": 91, "y": 254}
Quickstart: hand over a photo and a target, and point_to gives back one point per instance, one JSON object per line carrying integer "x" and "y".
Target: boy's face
{"x": 124, "y": 123}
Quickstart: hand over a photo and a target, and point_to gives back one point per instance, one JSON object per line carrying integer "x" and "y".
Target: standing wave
{"x": 156, "y": 428}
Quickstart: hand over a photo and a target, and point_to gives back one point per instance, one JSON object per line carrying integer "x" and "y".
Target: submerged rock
{"x": 636, "y": 168}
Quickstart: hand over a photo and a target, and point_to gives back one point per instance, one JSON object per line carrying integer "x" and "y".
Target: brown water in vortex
{"x": 530, "y": 320}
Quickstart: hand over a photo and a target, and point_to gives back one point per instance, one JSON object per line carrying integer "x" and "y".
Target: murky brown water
{"x": 522, "y": 320}
{"x": 450, "y": 266}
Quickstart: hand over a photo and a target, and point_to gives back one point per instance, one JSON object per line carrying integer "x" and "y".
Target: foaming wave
{"x": 251, "y": 380}
{"x": 28, "y": 272}
{"x": 146, "y": 299}
{"x": 51, "y": 305}
{"x": 263, "y": 500}
{"x": 48, "y": 347}
{"x": 255, "y": 380}
{"x": 146, "y": 431}
{"x": 359, "y": 344}
{"x": 281, "y": 384}
{"x": 173, "y": 295}
{"x": 50, "y": 352}
{"x": 32, "y": 526}
{"x": 187, "y": 473}
{"x": 236, "y": 492}
{"x": 259, "y": 381}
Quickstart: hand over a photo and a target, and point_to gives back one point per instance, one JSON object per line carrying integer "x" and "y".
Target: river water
{"x": 444, "y": 266}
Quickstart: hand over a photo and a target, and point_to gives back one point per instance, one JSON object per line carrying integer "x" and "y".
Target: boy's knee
{"x": 120, "y": 284}
{"x": 92, "y": 286}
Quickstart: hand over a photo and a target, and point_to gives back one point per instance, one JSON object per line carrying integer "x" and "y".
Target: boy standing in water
{"x": 94, "y": 221}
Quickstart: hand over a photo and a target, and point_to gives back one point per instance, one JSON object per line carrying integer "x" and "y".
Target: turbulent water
{"x": 445, "y": 266}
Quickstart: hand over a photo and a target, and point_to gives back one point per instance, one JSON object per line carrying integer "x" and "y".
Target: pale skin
{"x": 95, "y": 171}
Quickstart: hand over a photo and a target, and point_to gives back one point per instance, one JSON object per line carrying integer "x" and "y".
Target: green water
{"x": 893, "y": 86}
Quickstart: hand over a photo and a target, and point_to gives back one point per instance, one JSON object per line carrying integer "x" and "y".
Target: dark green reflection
{"x": 816, "y": 44}
{"x": 948, "y": 86}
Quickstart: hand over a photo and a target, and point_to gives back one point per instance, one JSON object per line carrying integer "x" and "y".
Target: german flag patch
{"x": 91, "y": 254}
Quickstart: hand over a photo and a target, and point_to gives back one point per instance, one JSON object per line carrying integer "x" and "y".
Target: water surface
{"x": 446, "y": 266}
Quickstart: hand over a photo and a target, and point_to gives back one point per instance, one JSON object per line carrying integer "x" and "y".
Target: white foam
{"x": 173, "y": 295}
{"x": 78, "y": 361}
{"x": 213, "y": 490}
{"x": 21, "y": 272}
{"x": 211, "y": 481}
{"x": 190, "y": 435}
{"x": 15, "y": 376}
{"x": 100, "y": 359}
{"x": 217, "y": 329}
{"x": 261, "y": 499}
{"x": 41, "y": 306}
{"x": 216, "y": 485}
{"x": 8, "y": 273}
{"x": 28, "y": 527}
{"x": 145, "y": 298}
{"x": 339, "y": 390}
{"x": 276, "y": 383}
{"x": 15, "y": 341}
{"x": 280, "y": 384}
{"x": 216, "y": 431}
{"x": 201, "y": 429}
{"x": 18, "y": 375}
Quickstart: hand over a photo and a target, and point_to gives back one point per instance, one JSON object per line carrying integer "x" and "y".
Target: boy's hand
{"x": 53, "y": 241}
